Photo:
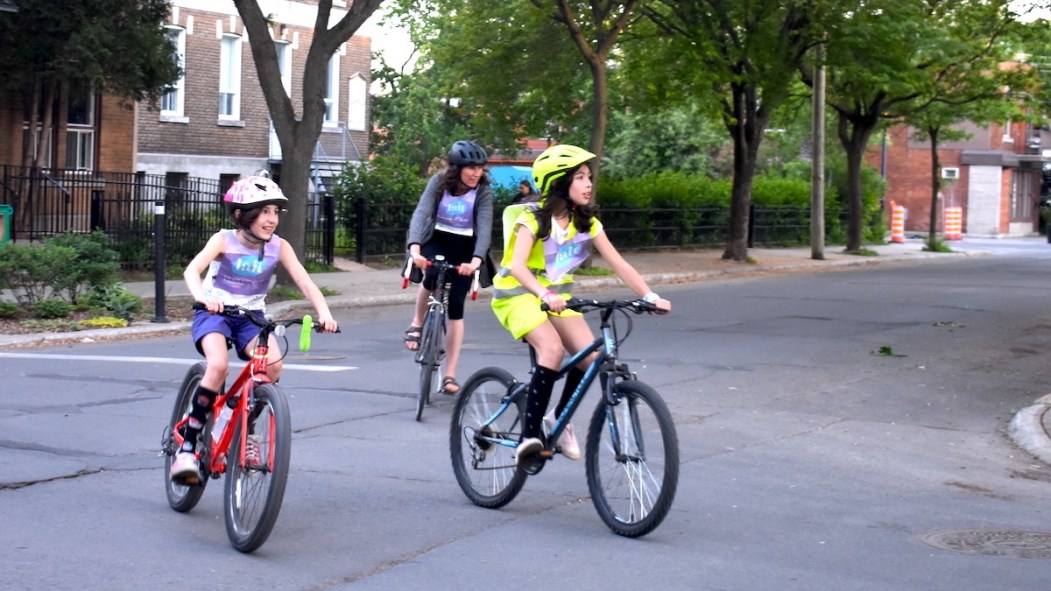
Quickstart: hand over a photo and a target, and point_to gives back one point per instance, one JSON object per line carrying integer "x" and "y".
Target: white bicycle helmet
{"x": 254, "y": 191}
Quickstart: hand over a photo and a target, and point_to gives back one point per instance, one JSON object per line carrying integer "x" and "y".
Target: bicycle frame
{"x": 603, "y": 365}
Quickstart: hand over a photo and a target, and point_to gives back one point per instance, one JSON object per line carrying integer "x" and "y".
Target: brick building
{"x": 214, "y": 123}
{"x": 996, "y": 177}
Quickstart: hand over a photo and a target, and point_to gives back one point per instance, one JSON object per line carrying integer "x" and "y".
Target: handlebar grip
{"x": 306, "y": 332}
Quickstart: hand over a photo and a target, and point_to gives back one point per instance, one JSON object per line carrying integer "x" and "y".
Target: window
{"x": 230, "y": 78}
{"x": 357, "y": 103}
{"x": 225, "y": 181}
{"x": 172, "y": 102}
{"x": 175, "y": 184}
{"x": 332, "y": 91}
{"x": 80, "y": 131}
{"x": 43, "y": 136}
{"x": 284, "y": 64}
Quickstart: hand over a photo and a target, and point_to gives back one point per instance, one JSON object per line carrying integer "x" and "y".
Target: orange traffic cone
{"x": 897, "y": 222}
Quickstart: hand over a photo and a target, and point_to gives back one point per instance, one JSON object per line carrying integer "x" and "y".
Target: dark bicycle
{"x": 632, "y": 456}
{"x": 431, "y": 351}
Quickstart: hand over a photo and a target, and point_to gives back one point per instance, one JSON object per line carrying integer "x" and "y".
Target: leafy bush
{"x": 9, "y": 309}
{"x": 31, "y": 272}
{"x": 385, "y": 181}
{"x": 93, "y": 263}
{"x": 52, "y": 308}
{"x": 116, "y": 300}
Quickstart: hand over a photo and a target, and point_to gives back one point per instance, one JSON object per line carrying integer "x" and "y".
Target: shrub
{"x": 32, "y": 272}
{"x": 52, "y": 308}
{"x": 93, "y": 263}
{"x": 9, "y": 309}
{"x": 116, "y": 300}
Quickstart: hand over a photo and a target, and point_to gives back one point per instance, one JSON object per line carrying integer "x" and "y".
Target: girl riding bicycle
{"x": 549, "y": 241}
{"x": 453, "y": 218}
{"x": 239, "y": 263}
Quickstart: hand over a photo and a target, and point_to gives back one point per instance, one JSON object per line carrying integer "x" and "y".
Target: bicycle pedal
{"x": 547, "y": 454}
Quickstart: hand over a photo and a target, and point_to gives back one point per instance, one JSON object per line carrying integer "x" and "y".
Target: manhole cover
{"x": 1021, "y": 544}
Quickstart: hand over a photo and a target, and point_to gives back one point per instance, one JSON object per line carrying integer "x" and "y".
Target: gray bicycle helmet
{"x": 467, "y": 153}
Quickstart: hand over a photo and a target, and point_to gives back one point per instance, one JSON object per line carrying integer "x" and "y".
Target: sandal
{"x": 450, "y": 386}
{"x": 412, "y": 335}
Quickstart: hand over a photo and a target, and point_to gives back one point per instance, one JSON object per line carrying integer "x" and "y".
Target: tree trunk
{"x": 746, "y": 121}
{"x": 932, "y": 236}
{"x": 599, "y": 112}
{"x": 854, "y": 135}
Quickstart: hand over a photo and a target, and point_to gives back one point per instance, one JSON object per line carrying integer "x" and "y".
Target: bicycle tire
{"x": 253, "y": 492}
{"x": 633, "y": 490}
{"x": 486, "y": 472}
{"x": 429, "y": 358}
{"x": 182, "y": 497}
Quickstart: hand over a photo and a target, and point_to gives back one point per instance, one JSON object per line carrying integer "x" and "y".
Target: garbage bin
{"x": 6, "y": 213}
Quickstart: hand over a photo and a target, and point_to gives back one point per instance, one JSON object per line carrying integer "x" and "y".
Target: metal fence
{"x": 123, "y": 206}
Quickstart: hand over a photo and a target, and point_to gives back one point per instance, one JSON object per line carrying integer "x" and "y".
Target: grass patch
{"x": 862, "y": 252}
{"x": 593, "y": 271}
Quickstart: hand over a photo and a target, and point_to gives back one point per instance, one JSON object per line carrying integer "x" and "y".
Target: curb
{"x": 1027, "y": 430}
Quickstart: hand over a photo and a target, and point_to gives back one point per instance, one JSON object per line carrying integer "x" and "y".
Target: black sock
{"x": 572, "y": 381}
{"x": 203, "y": 399}
{"x": 539, "y": 394}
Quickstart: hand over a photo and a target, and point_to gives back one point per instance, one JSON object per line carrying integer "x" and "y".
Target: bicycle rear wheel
{"x": 485, "y": 469}
{"x": 632, "y": 460}
{"x": 182, "y": 497}
{"x": 255, "y": 478}
{"x": 432, "y": 339}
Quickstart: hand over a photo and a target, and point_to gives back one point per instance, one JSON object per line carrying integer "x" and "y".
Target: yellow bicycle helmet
{"x": 555, "y": 162}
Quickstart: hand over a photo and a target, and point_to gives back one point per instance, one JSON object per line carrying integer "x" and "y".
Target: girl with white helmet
{"x": 239, "y": 265}
{"x": 549, "y": 241}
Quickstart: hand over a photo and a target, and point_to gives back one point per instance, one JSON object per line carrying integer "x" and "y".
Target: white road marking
{"x": 167, "y": 360}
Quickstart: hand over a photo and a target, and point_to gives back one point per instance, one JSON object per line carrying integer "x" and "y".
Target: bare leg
{"x": 453, "y": 342}
{"x": 419, "y": 311}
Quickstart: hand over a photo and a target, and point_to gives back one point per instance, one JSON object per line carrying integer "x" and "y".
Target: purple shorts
{"x": 238, "y": 330}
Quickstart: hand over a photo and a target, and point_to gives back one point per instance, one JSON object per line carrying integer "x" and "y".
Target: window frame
{"x": 230, "y": 72}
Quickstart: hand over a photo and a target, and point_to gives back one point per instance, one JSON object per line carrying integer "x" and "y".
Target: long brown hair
{"x": 557, "y": 202}
{"x": 451, "y": 181}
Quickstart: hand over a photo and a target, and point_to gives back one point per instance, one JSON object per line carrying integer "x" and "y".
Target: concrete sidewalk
{"x": 359, "y": 285}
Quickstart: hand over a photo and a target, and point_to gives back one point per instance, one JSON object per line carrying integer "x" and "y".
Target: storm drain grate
{"x": 1020, "y": 544}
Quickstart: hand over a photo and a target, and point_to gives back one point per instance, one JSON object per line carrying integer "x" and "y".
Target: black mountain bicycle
{"x": 431, "y": 352}
{"x": 632, "y": 456}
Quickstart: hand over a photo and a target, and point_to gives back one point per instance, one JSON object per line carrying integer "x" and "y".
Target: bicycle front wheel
{"x": 432, "y": 339}
{"x": 484, "y": 457}
{"x": 182, "y": 497}
{"x": 258, "y": 470}
{"x": 632, "y": 460}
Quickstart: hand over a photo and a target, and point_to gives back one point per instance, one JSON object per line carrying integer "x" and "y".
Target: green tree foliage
{"x": 675, "y": 139}
{"x": 927, "y": 53}
{"x": 413, "y": 122}
{"x": 738, "y": 56}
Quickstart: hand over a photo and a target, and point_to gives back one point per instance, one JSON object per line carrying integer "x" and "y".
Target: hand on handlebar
{"x": 553, "y": 302}
{"x": 465, "y": 269}
{"x": 663, "y": 305}
{"x": 327, "y": 323}
{"x": 212, "y": 305}
{"x": 420, "y": 261}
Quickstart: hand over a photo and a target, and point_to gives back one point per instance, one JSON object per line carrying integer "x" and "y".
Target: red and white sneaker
{"x": 185, "y": 468}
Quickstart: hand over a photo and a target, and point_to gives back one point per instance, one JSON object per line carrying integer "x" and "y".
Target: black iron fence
{"x": 124, "y": 206}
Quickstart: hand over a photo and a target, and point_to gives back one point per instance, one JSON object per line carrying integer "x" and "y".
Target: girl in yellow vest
{"x": 549, "y": 240}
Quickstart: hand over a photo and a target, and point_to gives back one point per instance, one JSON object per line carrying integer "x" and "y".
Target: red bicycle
{"x": 251, "y": 436}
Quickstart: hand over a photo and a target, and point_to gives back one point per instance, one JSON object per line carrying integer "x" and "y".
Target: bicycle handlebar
{"x": 270, "y": 326}
{"x": 583, "y": 306}
{"x": 443, "y": 266}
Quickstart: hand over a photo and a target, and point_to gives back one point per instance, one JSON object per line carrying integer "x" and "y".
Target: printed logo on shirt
{"x": 249, "y": 266}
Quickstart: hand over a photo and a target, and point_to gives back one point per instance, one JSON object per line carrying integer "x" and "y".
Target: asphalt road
{"x": 838, "y": 430}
